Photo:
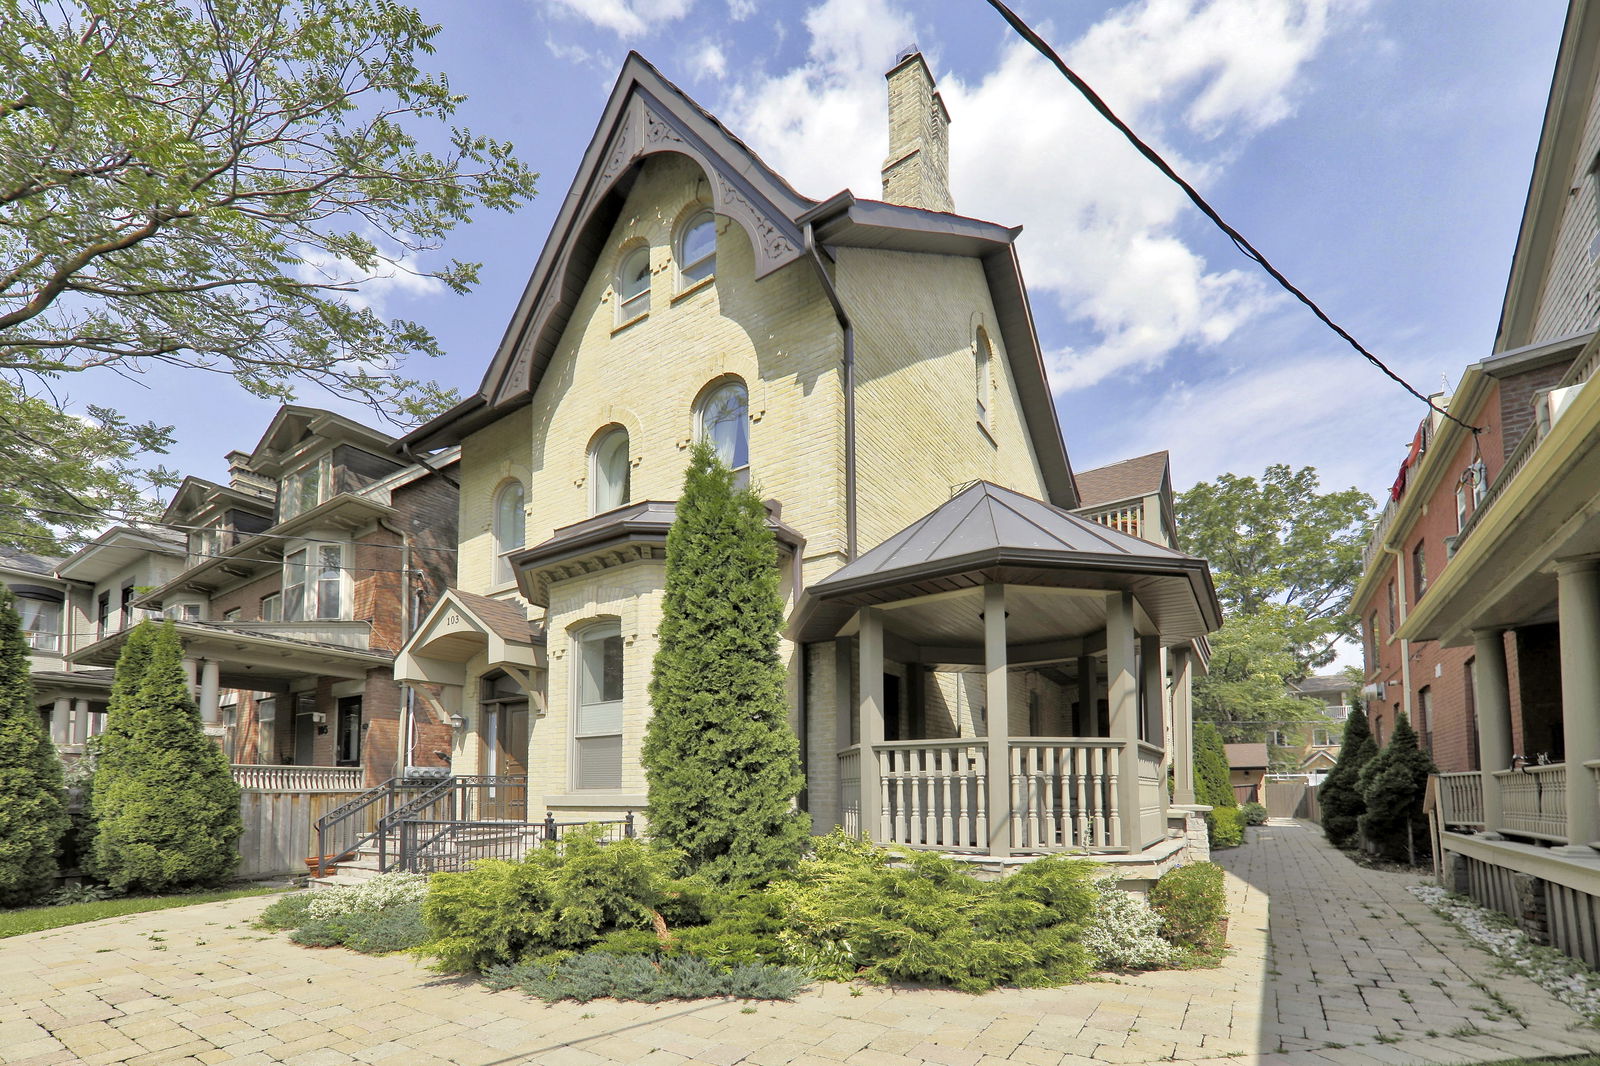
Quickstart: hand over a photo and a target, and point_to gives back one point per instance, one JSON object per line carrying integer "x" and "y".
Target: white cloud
{"x": 625, "y": 18}
{"x": 371, "y": 289}
{"x": 739, "y": 10}
{"x": 1102, "y": 224}
{"x": 573, "y": 53}
{"x": 709, "y": 61}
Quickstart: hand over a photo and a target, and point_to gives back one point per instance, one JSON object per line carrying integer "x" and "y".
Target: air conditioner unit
{"x": 1559, "y": 400}
{"x": 1373, "y": 691}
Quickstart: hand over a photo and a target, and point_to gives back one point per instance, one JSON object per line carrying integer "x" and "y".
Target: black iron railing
{"x": 348, "y": 826}
{"x": 430, "y": 846}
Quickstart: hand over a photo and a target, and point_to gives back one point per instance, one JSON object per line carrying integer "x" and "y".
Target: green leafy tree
{"x": 168, "y": 816}
{"x": 225, "y": 185}
{"x": 33, "y": 811}
{"x": 1246, "y": 689}
{"x": 720, "y": 758}
{"x": 1278, "y": 540}
{"x": 1211, "y": 775}
{"x": 1339, "y": 796}
{"x": 1393, "y": 784}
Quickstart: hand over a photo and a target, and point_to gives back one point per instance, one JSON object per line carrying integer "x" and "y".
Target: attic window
{"x": 633, "y": 285}
{"x": 697, "y": 249}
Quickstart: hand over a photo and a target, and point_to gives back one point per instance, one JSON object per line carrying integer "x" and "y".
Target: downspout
{"x": 407, "y": 706}
{"x": 849, "y": 394}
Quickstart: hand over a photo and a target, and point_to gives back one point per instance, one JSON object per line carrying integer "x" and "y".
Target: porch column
{"x": 1491, "y": 694}
{"x": 869, "y": 649}
{"x": 210, "y": 691}
{"x": 191, "y": 672}
{"x": 997, "y": 696}
{"x": 1182, "y": 726}
{"x": 61, "y": 722}
{"x": 1578, "y": 612}
{"x": 1084, "y": 723}
{"x": 1122, "y": 692}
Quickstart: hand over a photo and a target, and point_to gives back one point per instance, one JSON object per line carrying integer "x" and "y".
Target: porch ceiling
{"x": 1033, "y": 615}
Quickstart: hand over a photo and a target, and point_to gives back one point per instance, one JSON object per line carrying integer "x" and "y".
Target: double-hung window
{"x": 597, "y": 723}
{"x": 313, "y": 583}
{"x": 294, "y": 585}
{"x": 41, "y": 622}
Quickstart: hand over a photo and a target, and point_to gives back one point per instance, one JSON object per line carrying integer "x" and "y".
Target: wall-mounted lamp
{"x": 458, "y": 722}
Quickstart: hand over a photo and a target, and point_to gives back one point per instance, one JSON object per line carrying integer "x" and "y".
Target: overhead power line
{"x": 1239, "y": 240}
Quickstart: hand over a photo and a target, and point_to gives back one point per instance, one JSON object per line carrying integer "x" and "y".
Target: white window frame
{"x": 273, "y": 613}
{"x": 598, "y": 457}
{"x": 704, "y": 266}
{"x": 983, "y": 377}
{"x": 582, "y": 640}
{"x": 46, "y": 640}
{"x": 741, "y": 472}
{"x": 292, "y": 487}
{"x": 633, "y": 305}
{"x": 503, "y": 546}
{"x": 313, "y": 585}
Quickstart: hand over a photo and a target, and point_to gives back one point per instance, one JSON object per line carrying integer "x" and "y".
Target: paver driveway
{"x": 1352, "y": 958}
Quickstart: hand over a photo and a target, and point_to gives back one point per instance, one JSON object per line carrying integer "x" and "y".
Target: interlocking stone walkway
{"x": 1356, "y": 972}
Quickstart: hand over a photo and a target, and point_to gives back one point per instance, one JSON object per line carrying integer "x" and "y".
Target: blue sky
{"x": 1379, "y": 152}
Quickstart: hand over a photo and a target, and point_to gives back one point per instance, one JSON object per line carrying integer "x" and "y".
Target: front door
{"x": 347, "y": 746}
{"x": 505, "y": 735}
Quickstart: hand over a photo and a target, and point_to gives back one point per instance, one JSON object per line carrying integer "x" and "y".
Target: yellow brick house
{"x": 972, "y": 667}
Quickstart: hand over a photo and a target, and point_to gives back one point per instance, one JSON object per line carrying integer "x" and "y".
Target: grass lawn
{"x": 34, "y": 919}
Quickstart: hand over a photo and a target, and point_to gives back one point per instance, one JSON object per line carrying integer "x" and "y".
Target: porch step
{"x": 346, "y": 877}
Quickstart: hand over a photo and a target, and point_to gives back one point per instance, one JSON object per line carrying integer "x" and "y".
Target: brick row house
{"x": 973, "y": 665}
{"x": 1481, "y": 598}
{"x": 292, "y": 587}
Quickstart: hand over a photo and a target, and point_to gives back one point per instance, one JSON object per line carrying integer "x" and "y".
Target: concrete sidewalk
{"x": 1332, "y": 964}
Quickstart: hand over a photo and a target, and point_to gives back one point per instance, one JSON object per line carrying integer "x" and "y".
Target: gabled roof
{"x": 1144, "y": 475}
{"x": 17, "y": 559}
{"x": 194, "y": 492}
{"x": 1247, "y": 756}
{"x": 647, "y": 114}
{"x": 294, "y": 423}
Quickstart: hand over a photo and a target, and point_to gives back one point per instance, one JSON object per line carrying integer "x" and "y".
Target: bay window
{"x": 313, "y": 583}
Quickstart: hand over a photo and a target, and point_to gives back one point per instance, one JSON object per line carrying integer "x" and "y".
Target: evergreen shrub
{"x": 399, "y": 927}
{"x": 1226, "y": 827}
{"x": 564, "y": 895}
{"x": 1339, "y": 796}
{"x": 720, "y": 757}
{"x": 1393, "y": 785}
{"x": 167, "y": 810}
{"x": 33, "y": 810}
{"x": 1211, "y": 773}
{"x": 1253, "y": 813}
{"x": 1193, "y": 906}
{"x": 856, "y": 910}
{"x": 597, "y": 975}
{"x": 288, "y": 912}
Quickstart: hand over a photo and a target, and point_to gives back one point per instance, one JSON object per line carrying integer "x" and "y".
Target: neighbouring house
{"x": 1247, "y": 770}
{"x": 69, "y": 603}
{"x": 973, "y": 666}
{"x": 1482, "y": 591}
{"x": 293, "y": 587}
{"x": 1313, "y": 746}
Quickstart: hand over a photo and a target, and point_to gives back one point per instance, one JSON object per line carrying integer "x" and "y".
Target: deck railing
{"x": 269, "y": 777}
{"x": 850, "y": 790}
{"x": 932, "y": 794}
{"x": 1064, "y": 795}
{"x": 430, "y": 846}
{"x": 1461, "y": 799}
{"x": 1534, "y": 801}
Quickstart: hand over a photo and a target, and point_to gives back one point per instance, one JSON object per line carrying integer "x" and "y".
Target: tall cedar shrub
{"x": 168, "y": 817}
{"x": 112, "y": 743}
{"x": 1393, "y": 785}
{"x": 1339, "y": 796}
{"x": 720, "y": 758}
{"x": 1211, "y": 768}
{"x": 33, "y": 812}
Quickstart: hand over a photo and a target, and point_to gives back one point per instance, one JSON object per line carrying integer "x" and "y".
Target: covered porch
{"x": 1009, "y": 680}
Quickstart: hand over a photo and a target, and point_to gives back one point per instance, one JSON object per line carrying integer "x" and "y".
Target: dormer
{"x": 312, "y": 455}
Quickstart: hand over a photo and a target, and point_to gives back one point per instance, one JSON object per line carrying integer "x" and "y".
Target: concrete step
{"x": 346, "y": 877}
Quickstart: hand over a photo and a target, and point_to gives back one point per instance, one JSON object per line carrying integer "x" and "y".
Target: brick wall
{"x": 1516, "y": 401}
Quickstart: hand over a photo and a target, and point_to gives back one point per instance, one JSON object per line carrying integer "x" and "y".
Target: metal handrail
{"x": 417, "y": 836}
{"x": 344, "y": 814}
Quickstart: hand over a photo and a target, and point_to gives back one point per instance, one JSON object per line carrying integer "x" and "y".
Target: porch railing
{"x": 932, "y": 794}
{"x": 1064, "y": 795}
{"x": 434, "y": 846}
{"x": 1534, "y": 801}
{"x": 1461, "y": 799}
{"x": 268, "y": 777}
{"x": 850, "y": 790}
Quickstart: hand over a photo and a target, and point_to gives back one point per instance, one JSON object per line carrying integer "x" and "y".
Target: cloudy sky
{"x": 1378, "y": 151}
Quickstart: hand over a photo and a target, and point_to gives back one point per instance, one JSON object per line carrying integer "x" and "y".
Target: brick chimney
{"x": 917, "y": 171}
{"x": 246, "y": 480}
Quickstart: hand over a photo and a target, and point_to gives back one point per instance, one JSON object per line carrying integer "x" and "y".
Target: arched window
{"x": 725, "y": 421}
{"x": 633, "y": 285}
{"x": 697, "y": 249}
{"x": 609, "y": 469}
{"x": 510, "y": 528}
{"x": 981, "y": 369}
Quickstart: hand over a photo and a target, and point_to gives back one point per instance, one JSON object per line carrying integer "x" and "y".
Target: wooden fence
{"x": 1292, "y": 799}
{"x": 279, "y": 829}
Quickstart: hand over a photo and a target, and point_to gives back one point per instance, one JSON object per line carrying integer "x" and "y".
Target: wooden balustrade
{"x": 1461, "y": 799}
{"x": 932, "y": 794}
{"x": 1534, "y": 801}
{"x": 1064, "y": 794}
{"x": 266, "y": 777}
{"x": 850, "y": 790}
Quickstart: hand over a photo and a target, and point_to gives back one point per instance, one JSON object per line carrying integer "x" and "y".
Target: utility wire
{"x": 242, "y": 537}
{"x": 1250, "y": 251}
{"x": 275, "y": 563}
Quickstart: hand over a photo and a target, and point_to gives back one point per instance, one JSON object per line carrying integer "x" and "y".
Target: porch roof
{"x": 989, "y": 533}
{"x": 251, "y": 658}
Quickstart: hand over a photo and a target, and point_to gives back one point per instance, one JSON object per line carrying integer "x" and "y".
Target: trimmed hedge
{"x": 1194, "y": 908}
{"x": 1226, "y": 826}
